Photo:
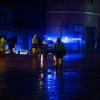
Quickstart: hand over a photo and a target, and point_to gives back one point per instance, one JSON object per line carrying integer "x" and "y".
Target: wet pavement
{"x": 35, "y": 78}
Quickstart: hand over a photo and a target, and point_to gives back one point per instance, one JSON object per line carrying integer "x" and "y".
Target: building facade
{"x": 76, "y": 18}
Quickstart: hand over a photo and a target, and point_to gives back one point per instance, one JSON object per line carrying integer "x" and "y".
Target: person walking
{"x": 59, "y": 52}
{"x": 35, "y": 47}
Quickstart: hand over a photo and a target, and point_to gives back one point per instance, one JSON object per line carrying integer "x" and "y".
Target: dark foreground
{"x": 32, "y": 78}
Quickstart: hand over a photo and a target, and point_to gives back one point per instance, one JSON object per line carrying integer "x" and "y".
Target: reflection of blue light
{"x": 71, "y": 74}
{"x": 72, "y": 84}
{"x": 73, "y": 56}
{"x": 64, "y": 84}
{"x": 51, "y": 75}
{"x": 51, "y": 85}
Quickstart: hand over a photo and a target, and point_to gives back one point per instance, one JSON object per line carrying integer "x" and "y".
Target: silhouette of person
{"x": 59, "y": 52}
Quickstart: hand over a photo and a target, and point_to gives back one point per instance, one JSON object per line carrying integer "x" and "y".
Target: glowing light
{"x": 65, "y": 39}
{"x": 49, "y": 38}
{"x": 54, "y": 58}
{"x": 54, "y": 39}
{"x": 7, "y": 51}
{"x": 41, "y": 75}
{"x": 24, "y": 53}
{"x": 76, "y": 39}
{"x": 51, "y": 82}
{"x": 41, "y": 60}
{"x": 51, "y": 75}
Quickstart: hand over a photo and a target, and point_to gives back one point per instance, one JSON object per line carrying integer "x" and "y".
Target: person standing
{"x": 2, "y": 45}
{"x": 59, "y": 52}
{"x": 35, "y": 47}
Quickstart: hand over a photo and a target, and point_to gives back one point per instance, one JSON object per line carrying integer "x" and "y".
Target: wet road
{"x": 32, "y": 78}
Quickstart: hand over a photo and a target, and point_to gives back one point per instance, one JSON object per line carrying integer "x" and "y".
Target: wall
{"x": 69, "y": 12}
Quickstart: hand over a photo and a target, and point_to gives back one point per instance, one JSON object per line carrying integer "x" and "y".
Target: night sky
{"x": 27, "y": 14}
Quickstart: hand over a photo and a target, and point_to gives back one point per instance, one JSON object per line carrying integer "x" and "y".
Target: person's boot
{"x": 56, "y": 63}
{"x": 60, "y": 63}
{"x": 33, "y": 50}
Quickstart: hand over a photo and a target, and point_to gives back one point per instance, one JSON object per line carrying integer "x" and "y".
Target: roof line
{"x": 74, "y": 12}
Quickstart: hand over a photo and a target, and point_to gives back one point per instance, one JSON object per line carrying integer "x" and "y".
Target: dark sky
{"x": 29, "y": 14}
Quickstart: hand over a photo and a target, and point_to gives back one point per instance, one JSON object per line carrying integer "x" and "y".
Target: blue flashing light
{"x": 52, "y": 38}
{"x": 48, "y": 38}
{"x": 65, "y": 39}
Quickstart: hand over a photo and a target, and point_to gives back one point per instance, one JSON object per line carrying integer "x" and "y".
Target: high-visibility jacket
{"x": 2, "y": 44}
{"x": 35, "y": 39}
{"x": 35, "y": 44}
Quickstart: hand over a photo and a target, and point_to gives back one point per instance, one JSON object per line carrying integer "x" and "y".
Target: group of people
{"x": 11, "y": 44}
{"x": 39, "y": 46}
{"x": 59, "y": 49}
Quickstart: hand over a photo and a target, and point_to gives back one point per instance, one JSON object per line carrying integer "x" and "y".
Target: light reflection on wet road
{"x": 32, "y": 78}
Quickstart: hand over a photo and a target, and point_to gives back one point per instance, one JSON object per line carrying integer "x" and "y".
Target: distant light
{"x": 65, "y": 39}
{"x": 24, "y": 53}
{"x": 76, "y": 39}
{"x": 49, "y": 38}
{"x": 7, "y": 52}
{"x": 54, "y": 39}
